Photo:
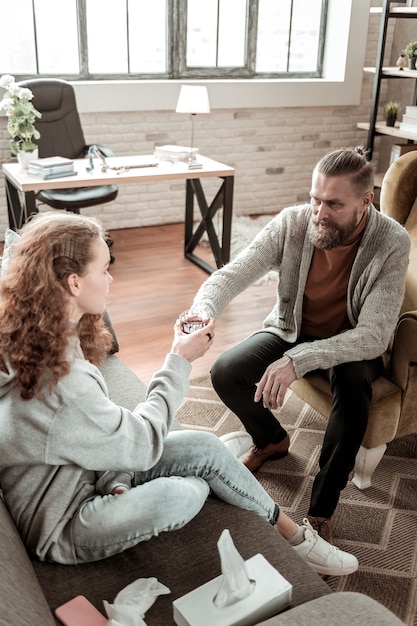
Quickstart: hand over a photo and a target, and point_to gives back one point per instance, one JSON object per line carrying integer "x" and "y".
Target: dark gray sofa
{"x": 181, "y": 560}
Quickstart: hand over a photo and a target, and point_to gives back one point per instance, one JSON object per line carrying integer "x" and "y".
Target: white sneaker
{"x": 237, "y": 442}
{"x": 322, "y": 557}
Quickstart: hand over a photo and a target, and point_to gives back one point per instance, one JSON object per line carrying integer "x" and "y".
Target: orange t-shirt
{"x": 325, "y": 294}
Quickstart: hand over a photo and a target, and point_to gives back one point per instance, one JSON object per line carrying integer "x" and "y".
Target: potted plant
{"x": 21, "y": 115}
{"x": 391, "y": 112}
{"x": 411, "y": 52}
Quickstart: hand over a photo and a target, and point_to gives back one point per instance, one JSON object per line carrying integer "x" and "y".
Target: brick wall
{"x": 272, "y": 150}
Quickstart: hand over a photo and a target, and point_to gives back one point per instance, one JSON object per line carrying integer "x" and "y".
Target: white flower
{"x": 5, "y": 104}
{"x": 24, "y": 92}
{"x": 13, "y": 89}
{"x": 21, "y": 115}
{"x": 6, "y": 80}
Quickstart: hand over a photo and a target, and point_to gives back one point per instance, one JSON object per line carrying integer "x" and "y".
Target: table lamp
{"x": 193, "y": 99}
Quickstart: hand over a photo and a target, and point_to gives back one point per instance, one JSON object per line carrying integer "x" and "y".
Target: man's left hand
{"x": 274, "y": 383}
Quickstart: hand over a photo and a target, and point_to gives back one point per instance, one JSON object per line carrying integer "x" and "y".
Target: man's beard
{"x": 333, "y": 236}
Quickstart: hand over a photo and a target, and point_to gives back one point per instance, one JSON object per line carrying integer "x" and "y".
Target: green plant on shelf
{"x": 411, "y": 52}
{"x": 391, "y": 109}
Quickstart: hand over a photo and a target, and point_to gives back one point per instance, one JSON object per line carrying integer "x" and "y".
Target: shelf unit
{"x": 374, "y": 127}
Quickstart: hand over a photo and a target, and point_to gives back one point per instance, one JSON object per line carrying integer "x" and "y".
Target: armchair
{"x": 393, "y": 407}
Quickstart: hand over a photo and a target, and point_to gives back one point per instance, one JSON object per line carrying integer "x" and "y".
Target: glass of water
{"x": 193, "y": 319}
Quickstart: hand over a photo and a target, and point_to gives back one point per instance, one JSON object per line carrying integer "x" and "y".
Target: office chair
{"x": 62, "y": 135}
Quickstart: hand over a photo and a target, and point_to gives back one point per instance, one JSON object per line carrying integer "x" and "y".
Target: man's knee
{"x": 353, "y": 378}
{"x": 222, "y": 371}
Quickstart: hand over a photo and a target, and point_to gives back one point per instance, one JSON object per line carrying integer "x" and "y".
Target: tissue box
{"x": 272, "y": 594}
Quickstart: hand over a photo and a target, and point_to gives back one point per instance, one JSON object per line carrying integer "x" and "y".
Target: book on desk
{"x": 52, "y": 167}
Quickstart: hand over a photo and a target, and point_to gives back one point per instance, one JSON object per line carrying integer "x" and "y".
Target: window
{"x": 119, "y": 39}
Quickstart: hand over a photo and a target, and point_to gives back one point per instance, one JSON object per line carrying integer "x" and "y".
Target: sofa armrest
{"x": 345, "y": 608}
{"x": 21, "y": 598}
{"x": 404, "y": 348}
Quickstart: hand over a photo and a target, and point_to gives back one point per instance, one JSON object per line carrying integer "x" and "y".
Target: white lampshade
{"x": 193, "y": 99}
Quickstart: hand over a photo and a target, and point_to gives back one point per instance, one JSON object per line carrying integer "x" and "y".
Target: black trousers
{"x": 234, "y": 376}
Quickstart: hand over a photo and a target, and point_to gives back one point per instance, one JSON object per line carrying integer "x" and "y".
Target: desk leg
{"x": 17, "y": 210}
{"x": 223, "y": 198}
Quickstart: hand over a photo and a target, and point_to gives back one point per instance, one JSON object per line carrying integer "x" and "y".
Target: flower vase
{"x": 411, "y": 63}
{"x": 390, "y": 120}
{"x": 25, "y": 158}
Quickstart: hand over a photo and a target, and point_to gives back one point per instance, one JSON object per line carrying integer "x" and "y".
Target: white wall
{"x": 272, "y": 132}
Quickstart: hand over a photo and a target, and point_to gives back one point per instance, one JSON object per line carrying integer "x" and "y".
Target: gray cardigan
{"x": 375, "y": 291}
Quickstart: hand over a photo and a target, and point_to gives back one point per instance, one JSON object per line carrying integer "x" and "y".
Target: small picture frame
{"x": 399, "y": 149}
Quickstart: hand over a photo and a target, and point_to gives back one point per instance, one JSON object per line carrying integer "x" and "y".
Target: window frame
{"x": 180, "y": 69}
{"x": 176, "y": 51}
{"x": 341, "y": 84}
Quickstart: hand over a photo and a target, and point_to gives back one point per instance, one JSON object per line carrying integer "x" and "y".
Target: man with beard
{"x": 341, "y": 268}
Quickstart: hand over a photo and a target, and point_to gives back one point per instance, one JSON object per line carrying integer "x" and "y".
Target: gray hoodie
{"x": 54, "y": 447}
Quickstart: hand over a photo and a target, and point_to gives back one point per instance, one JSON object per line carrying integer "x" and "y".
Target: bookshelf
{"x": 374, "y": 127}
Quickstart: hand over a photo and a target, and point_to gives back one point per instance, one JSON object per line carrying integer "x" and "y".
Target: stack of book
{"x": 52, "y": 167}
{"x": 409, "y": 121}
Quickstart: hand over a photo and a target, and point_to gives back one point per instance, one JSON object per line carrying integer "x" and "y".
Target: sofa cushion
{"x": 124, "y": 387}
{"x": 182, "y": 560}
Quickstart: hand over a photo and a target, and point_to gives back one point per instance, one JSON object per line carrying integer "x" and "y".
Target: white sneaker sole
{"x": 328, "y": 571}
{"x": 237, "y": 442}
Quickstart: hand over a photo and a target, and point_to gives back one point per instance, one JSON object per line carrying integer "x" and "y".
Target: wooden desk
{"x": 19, "y": 183}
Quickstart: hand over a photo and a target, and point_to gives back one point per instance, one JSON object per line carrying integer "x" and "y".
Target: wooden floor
{"x": 153, "y": 283}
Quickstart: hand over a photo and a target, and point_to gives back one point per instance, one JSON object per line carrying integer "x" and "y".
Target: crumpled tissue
{"x": 132, "y": 602}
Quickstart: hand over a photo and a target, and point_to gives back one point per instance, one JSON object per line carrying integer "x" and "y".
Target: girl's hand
{"x": 193, "y": 345}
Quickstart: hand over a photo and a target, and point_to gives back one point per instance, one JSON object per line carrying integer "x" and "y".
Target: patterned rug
{"x": 378, "y": 525}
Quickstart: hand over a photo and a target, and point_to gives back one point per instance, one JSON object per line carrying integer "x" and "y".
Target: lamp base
{"x": 194, "y": 165}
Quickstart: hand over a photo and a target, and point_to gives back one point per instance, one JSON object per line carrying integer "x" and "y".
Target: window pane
{"x": 201, "y": 33}
{"x": 57, "y": 46}
{"x": 17, "y": 39}
{"x": 124, "y": 37}
{"x": 305, "y": 35}
{"x": 107, "y": 36}
{"x": 147, "y": 36}
{"x": 232, "y": 33}
{"x": 273, "y": 33}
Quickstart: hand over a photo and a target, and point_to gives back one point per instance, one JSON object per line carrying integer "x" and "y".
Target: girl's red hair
{"x": 34, "y": 325}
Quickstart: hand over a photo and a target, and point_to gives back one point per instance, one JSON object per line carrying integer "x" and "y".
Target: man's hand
{"x": 192, "y": 345}
{"x": 275, "y": 382}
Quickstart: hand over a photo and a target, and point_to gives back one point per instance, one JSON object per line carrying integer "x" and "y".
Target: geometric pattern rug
{"x": 378, "y": 524}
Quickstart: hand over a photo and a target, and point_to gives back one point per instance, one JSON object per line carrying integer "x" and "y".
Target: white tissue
{"x": 132, "y": 602}
{"x": 246, "y": 593}
{"x": 236, "y": 584}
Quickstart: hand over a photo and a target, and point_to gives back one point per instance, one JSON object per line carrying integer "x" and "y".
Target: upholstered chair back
{"x": 399, "y": 200}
